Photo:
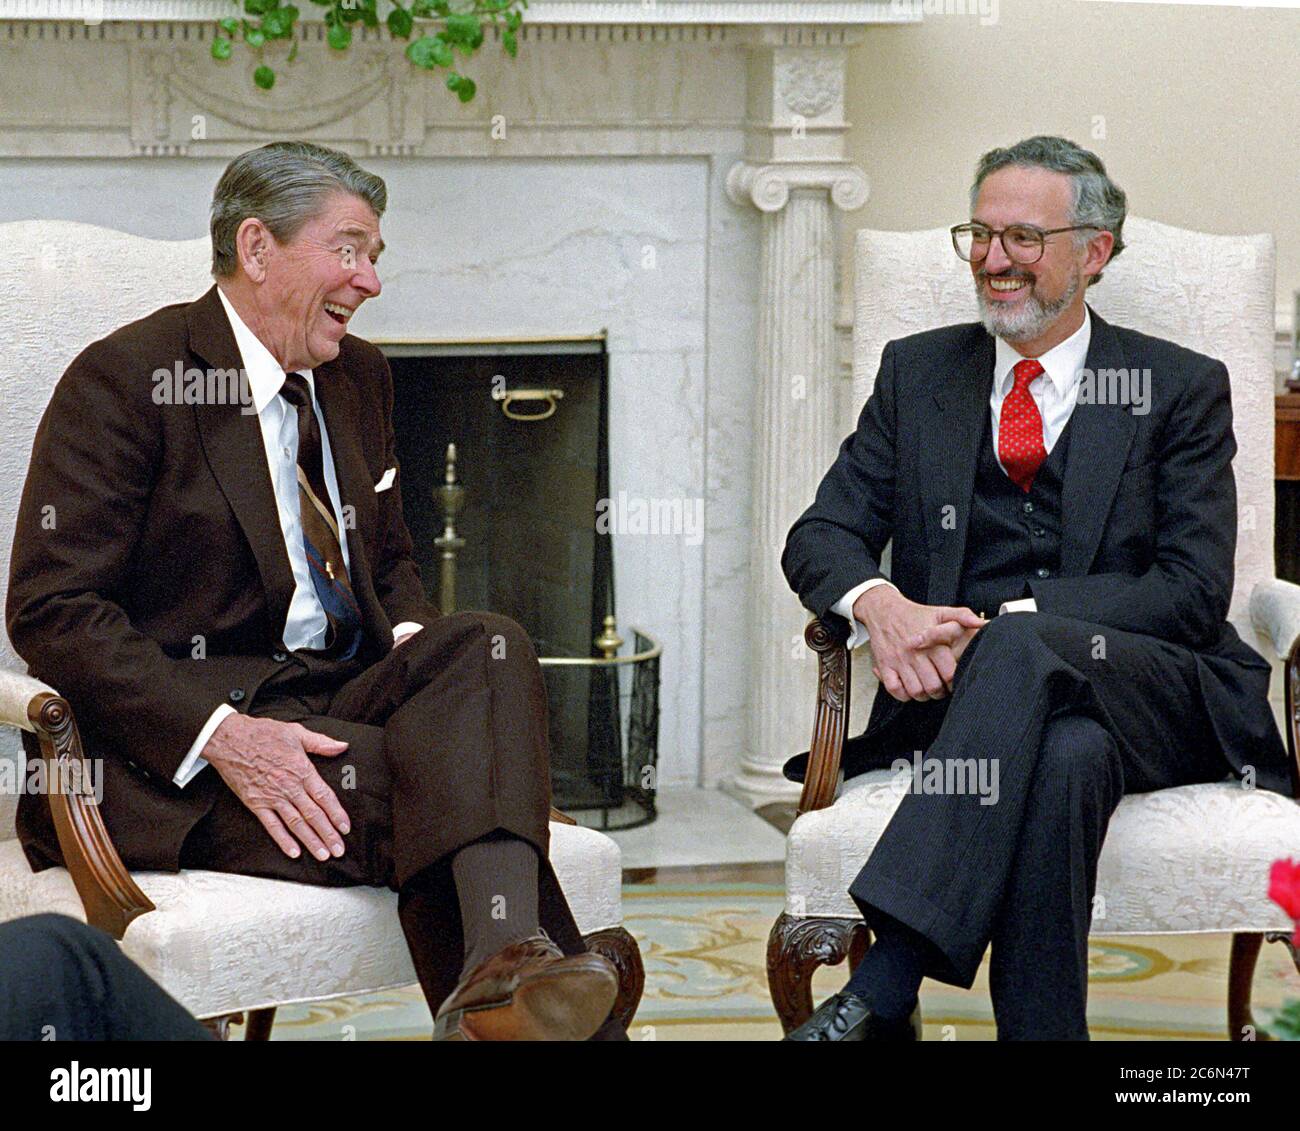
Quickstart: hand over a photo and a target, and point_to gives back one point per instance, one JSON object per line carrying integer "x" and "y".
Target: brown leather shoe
{"x": 529, "y": 991}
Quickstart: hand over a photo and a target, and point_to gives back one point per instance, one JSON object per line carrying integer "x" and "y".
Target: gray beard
{"x": 1031, "y": 320}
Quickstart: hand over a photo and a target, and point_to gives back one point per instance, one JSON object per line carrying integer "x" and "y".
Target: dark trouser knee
{"x": 1078, "y": 753}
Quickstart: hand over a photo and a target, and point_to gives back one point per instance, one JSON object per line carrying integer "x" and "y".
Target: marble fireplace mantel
{"x": 631, "y": 12}
{"x": 732, "y": 377}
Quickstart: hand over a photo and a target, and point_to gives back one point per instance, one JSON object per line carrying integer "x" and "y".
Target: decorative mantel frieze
{"x": 630, "y": 12}
{"x": 618, "y": 78}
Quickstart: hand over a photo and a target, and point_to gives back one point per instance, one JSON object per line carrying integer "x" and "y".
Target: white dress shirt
{"x": 1055, "y": 392}
{"x": 306, "y": 625}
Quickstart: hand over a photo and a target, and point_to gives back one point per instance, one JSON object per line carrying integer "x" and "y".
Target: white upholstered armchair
{"x": 1194, "y": 859}
{"x": 221, "y": 944}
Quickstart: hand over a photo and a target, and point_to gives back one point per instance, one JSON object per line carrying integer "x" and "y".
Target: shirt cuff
{"x": 1023, "y": 605}
{"x": 405, "y": 627}
{"x": 192, "y": 763}
{"x": 844, "y": 606}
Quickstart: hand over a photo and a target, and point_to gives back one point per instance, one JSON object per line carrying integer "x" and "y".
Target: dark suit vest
{"x": 1013, "y": 535}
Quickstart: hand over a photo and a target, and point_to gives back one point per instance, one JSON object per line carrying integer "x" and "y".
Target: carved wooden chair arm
{"x": 830, "y": 718}
{"x": 108, "y": 894}
{"x": 1275, "y": 615}
{"x": 1291, "y": 679}
{"x": 111, "y": 898}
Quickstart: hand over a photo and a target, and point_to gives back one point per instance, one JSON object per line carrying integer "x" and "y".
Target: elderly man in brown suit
{"x": 227, "y": 596}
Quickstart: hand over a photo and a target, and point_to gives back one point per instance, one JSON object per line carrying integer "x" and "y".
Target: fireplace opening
{"x": 504, "y": 451}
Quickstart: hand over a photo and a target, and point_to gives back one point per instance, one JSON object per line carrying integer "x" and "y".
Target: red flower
{"x": 1284, "y": 890}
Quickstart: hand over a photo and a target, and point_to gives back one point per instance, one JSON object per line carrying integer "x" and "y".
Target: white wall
{"x": 1197, "y": 108}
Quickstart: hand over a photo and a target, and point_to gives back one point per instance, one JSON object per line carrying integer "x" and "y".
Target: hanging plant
{"x": 445, "y": 29}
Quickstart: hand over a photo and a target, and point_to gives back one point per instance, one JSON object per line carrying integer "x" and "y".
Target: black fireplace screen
{"x": 529, "y": 425}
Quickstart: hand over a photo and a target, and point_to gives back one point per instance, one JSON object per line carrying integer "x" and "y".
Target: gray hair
{"x": 283, "y": 184}
{"x": 1098, "y": 200}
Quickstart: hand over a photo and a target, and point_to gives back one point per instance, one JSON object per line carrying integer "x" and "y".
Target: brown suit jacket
{"x": 149, "y": 580}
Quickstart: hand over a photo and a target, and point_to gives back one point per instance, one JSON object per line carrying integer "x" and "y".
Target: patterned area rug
{"x": 704, "y": 947}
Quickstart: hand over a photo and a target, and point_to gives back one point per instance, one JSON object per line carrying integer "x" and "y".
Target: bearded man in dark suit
{"x": 228, "y": 600}
{"x": 1062, "y": 567}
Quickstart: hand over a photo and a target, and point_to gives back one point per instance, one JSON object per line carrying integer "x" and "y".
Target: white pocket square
{"x": 387, "y": 480}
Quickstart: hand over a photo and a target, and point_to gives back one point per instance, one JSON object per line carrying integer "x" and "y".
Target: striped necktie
{"x": 320, "y": 533}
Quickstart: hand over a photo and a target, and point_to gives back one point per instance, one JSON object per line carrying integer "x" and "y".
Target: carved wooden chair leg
{"x": 259, "y": 1024}
{"x": 219, "y": 1026}
{"x": 618, "y": 945}
{"x": 1241, "y": 975}
{"x": 1285, "y": 938}
{"x": 796, "y": 948}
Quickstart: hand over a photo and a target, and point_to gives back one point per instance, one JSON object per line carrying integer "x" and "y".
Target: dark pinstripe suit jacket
{"x": 1148, "y": 510}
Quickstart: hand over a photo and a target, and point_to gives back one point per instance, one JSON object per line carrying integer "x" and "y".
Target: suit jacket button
{"x": 279, "y": 657}
{"x": 1043, "y": 571}
{"x": 236, "y": 694}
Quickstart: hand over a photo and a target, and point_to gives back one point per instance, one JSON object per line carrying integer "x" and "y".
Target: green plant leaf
{"x": 510, "y": 43}
{"x": 340, "y": 35}
{"x": 400, "y": 23}
{"x": 264, "y": 77}
{"x": 464, "y": 87}
{"x": 255, "y": 37}
{"x": 229, "y": 25}
{"x": 254, "y": 7}
{"x": 429, "y": 51}
{"x": 293, "y": 51}
{"x": 221, "y": 47}
{"x": 278, "y": 24}
{"x": 1285, "y": 1025}
{"x": 464, "y": 28}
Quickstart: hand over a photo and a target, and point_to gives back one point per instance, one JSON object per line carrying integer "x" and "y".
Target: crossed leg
{"x": 1071, "y": 715}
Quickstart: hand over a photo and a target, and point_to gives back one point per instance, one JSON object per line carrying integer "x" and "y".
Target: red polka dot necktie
{"x": 1020, "y": 428}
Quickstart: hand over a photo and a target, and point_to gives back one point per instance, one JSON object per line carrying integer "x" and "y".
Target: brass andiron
{"x": 450, "y": 497}
{"x": 609, "y": 641}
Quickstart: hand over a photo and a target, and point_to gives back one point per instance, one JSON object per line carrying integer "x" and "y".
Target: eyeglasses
{"x": 1023, "y": 243}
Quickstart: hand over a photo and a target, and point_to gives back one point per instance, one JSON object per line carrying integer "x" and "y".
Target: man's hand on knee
{"x": 914, "y": 647}
{"x": 265, "y": 763}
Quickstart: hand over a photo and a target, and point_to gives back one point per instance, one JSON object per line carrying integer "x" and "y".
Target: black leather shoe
{"x": 846, "y": 1017}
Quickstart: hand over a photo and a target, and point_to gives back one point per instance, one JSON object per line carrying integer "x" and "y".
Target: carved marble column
{"x": 798, "y": 179}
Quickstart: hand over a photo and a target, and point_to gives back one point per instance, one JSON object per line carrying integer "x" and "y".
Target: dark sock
{"x": 496, "y": 885}
{"x": 889, "y": 977}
